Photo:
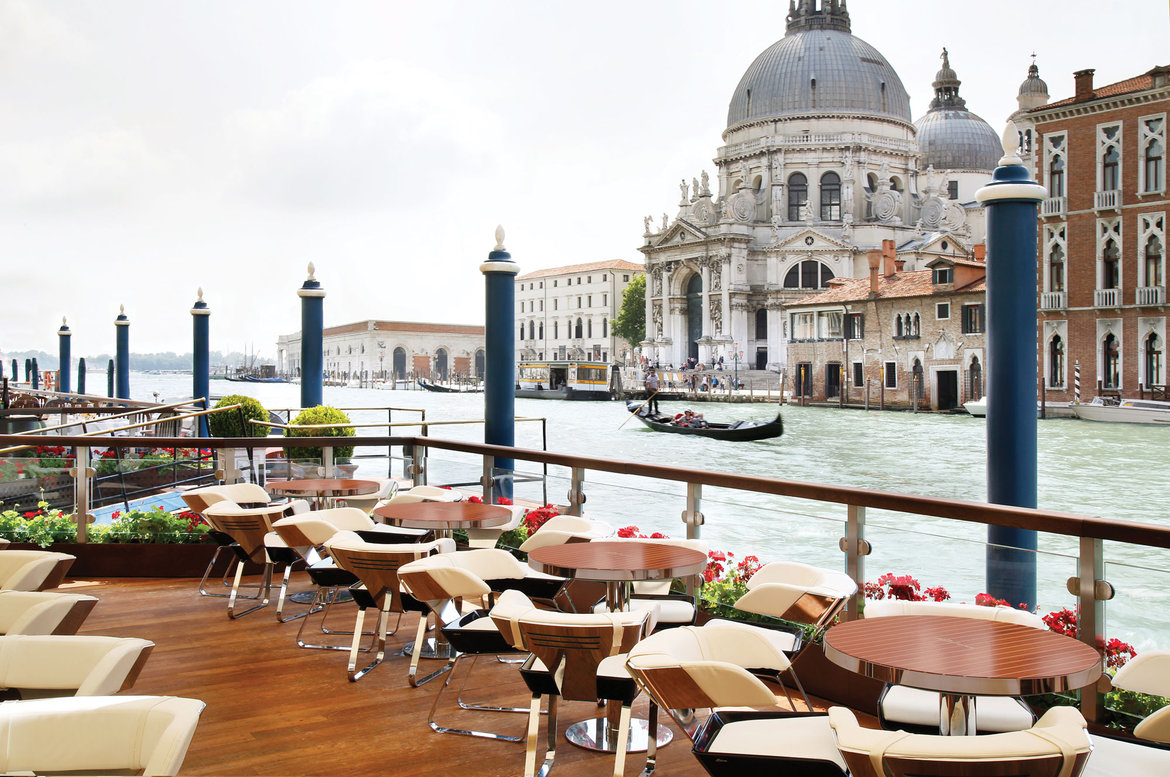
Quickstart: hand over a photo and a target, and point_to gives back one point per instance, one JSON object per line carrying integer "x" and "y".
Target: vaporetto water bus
{"x": 563, "y": 380}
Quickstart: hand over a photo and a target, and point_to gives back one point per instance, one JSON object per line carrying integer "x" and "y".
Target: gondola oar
{"x": 639, "y": 407}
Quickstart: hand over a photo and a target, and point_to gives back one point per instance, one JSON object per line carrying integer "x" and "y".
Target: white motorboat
{"x": 1127, "y": 411}
{"x": 977, "y": 407}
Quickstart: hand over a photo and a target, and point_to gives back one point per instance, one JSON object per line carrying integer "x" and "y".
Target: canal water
{"x": 1110, "y": 470}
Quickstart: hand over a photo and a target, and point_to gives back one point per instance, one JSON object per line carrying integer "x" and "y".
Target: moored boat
{"x": 977, "y": 407}
{"x": 739, "y": 431}
{"x": 448, "y": 389}
{"x": 1126, "y": 411}
{"x": 563, "y": 380}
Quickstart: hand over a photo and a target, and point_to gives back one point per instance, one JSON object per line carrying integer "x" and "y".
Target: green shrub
{"x": 153, "y": 525}
{"x": 41, "y": 527}
{"x": 321, "y": 414}
{"x": 228, "y": 424}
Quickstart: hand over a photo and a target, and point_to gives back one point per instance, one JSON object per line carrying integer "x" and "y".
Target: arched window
{"x": 895, "y": 183}
{"x": 556, "y": 328}
{"x": 1153, "y": 165}
{"x": 1109, "y": 166}
{"x": 1056, "y": 361}
{"x": 917, "y": 388}
{"x": 1056, "y": 176}
{"x": 605, "y": 327}
{"x": 579, "y": 329}
{"x": 797, "y": 195}
{"x": 1153, "y": 348}
{"x": 1056, "y": 269}
{"x": 830, "y": 197}
{"x": 399, "y": 362}
{"x": 762, "y": 324}
{"x": 917, "y": 321}
{"x": 1153, "y": 261}
{"x": 480, "y": 360}
{"x": 521, "y": 330}
{"x": 1110, "y": 266}
{"x": 1110, "y": 362}
{"x": 898, "y": 330}
{"x": 589, "y": 328}
{"x": 541, "y": 330}
{"x": 871, "y": 183}
{"x": 531, "y": 330}
{"x": 809, "y": 274}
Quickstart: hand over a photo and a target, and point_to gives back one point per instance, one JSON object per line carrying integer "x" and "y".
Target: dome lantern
{"x": 950, "y": 136}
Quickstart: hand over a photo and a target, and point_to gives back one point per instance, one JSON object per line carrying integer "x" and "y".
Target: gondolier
{"x": 652, "y": 386}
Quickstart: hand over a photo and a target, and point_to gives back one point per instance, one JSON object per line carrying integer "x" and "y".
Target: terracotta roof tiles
{"x": 919, "y": 283}
{"x": 1135, "y": 84}
{"x": 611, "y": 264}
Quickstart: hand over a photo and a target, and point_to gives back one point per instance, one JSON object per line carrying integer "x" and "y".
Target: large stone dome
{"x": 819, "y": 68}
{"x": 951, "y": 137}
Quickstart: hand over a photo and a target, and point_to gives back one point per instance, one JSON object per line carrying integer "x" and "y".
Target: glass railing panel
{"x": 1140, "y": 577}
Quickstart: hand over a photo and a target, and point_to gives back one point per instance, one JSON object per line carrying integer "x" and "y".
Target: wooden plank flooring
{"x": 276, "y": 709}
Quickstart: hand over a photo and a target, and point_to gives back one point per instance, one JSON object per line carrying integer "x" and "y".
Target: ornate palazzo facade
{"x": 820, "y": 163}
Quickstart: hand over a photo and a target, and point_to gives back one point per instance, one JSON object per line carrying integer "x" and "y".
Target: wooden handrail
{"x": 1051, "y": 521}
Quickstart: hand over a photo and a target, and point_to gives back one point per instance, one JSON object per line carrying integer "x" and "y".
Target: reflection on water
{"x": 1111, "y": 470}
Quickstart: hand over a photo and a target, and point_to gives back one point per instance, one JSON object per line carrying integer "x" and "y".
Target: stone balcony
{"x": 1151, "y": 295}
{"x": 1107, "y": 298}
{"x": 1053, "y": 300}
{"x": 1107, "y": 200}
{"x": 1054, "y": 207}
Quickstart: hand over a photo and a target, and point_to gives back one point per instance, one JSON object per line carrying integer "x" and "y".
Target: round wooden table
{"x": 617, "y": 564}
{"x": 320, "y": 489}
{"x": 443, "y": 517}
{"x": 961, "y": 658}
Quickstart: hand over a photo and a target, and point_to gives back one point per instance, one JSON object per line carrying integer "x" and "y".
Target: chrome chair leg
{"x": 323, "y": 602}
{"x": 380, "y": 641}
{"x": 420, "y": 637}
{"x": 284, "y": 595}
{"x": 651, "y": 741}
{"x": 226, "y": 579}
{"x": 454, "y": 662}
{"x": 265, "y": 590}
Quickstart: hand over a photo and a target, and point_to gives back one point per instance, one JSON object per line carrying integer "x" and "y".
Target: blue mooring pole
{"x": 81, "y": 375}
{"x": 499, "y": 383}
{"x": 122, "y": 355}
{"x": 110, "y": 379}
{"x": 201, "y": 358}
{"x": 1011, "y": 200}
{"x": 28, "y": 371}
{"x": 64, "y": 384}
{"x": 36, "y": 374}
{"x": 312, "y": 340}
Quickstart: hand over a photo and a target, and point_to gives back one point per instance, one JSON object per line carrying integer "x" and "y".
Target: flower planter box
{"x": 136, "y": 559}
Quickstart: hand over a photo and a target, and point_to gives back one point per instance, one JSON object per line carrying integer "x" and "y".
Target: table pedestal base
{"x": 431, "y": 648}
{"x": 956, "y": 715}
{"x": 596, "y": 734}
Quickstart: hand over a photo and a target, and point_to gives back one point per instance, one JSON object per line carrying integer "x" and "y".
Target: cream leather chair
{"x": 254, "y": 540}
{"x": 33, "y": 667}
{"x": 33, "y": 570}
{"x": 799, "y": 593}
{"x": 376, "y": 567}
{"x": 1056, "y": 745}
{"x": 487, "y": 538}
{"x": 724, "y": 664}
{"x": 566, "y": 528}
{"x": 97, "y": 734}
{"x": 576, "y": 658}
{"x": 43, "y": 612}
{"x": 917, "y": 710}
{"x": 1149, "y": 755}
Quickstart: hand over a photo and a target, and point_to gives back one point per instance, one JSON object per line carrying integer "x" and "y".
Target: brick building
{"x": 1102, "y": 236}
{"x": 894, "y": 333}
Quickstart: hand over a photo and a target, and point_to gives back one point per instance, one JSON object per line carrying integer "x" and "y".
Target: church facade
{"x": 820, "y": 163}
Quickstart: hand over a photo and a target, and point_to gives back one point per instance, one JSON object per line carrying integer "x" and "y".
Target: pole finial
{"x": 500, "y": 238}
{"x": 312, "y": 272}
{"x": 121, "y": 310}
{"x": 200, "y": 293}
{"x": 62, "y": 320}
{"x": 1011, "y": 145}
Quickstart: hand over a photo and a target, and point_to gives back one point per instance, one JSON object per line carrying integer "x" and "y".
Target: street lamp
{"x": 736, "y": 353}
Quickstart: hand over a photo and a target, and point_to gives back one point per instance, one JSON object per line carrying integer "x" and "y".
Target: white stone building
{"x": 820, "y": 163}
{"x": 565, "y": 312}
{"x": 369, "y": 350}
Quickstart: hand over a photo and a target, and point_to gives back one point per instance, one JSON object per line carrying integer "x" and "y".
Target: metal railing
{"x": 1090, "y": 533}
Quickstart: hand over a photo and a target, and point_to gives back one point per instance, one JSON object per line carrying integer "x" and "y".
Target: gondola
{"x": 740, "y": 431}
{"x": 447, "y": 389}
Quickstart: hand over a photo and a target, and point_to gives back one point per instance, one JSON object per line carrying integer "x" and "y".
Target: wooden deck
{"x": 276, "y": 709}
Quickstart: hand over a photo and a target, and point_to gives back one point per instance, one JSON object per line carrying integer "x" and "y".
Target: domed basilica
{"x": 820, "y": 163}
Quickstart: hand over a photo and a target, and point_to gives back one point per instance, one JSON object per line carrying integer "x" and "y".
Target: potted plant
{"x": 314, "y": 416}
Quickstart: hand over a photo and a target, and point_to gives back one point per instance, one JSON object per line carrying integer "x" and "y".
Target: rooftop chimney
{"x": 889, "y": 254}
{"x": 980, "y": 252}
{"x": 875, "y": 263}
{"x": 1084, "y": 81}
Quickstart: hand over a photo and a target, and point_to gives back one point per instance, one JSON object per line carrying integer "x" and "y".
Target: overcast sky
{"x": 149, "y": 148}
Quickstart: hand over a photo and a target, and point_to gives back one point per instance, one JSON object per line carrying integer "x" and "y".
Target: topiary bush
{"x": 227, "y": 423}
{"x": 321, "y": 414}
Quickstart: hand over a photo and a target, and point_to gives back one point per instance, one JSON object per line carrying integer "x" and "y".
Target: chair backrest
{"x": 1149, "y": 672}
{"x": 199, "y": 499}
{"x": 1057, "y": 746}
{"x": 246, "y": 525}
{"x": 43, "y": 612}
{"x": 387, "y": 488}
{"x": 692, "y": 667}
{"x": 798, "y": 592}
{"x": 445, "y": 576}
{"x": 86, "y": 666}
{"x": 33, "y": 570}
{"x": 312, "y": 529}
{"x": 886, "y": 607}
{"x": 561, "y": 529}
{"x": 97, "y": 733}
{"x": 574, "y": 645}
{"x": 435, "y": 493}
{"x": 376, "y": 565}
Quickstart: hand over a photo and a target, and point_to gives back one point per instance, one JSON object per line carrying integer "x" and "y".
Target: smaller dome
{"x": 1033, "y": 84}
{"x": 956, "y": 139}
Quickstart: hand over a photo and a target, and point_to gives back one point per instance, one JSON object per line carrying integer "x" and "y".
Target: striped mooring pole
{"x": 1077, "y": 382}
